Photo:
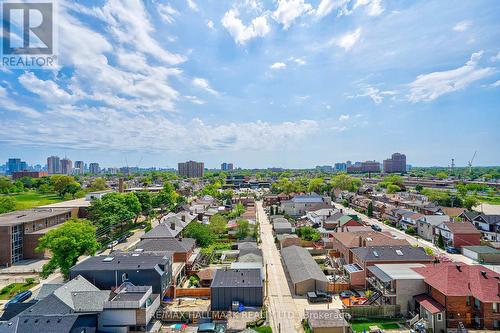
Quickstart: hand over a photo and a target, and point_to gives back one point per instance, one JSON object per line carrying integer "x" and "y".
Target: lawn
{"x": 492, "y": 200}
{"x": 27, "y": 200}
{"x": 12, "y": 289}
{"x": 358, "y": 325}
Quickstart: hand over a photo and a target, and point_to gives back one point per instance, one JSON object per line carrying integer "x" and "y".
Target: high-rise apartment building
{"x": 397, "y": 163}
{"x": 191, "y": 169}
{"x": 66, "y": 166}
{"x": 79, "y": 168}
{"x": 226, "y": 166}
{"x": 94, "y": 168}
{"x": 15, "y": 165}
{"x": 363, "y": 167}
{"x": 340, "y": 166}
{"x": 53, "y": 165}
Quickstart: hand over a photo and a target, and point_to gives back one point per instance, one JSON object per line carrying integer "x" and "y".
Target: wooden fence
{"x": 192, "y": 292}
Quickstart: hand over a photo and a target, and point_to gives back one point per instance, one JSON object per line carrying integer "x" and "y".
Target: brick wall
{"x": 5, "y": 246}
{"x": 466, "y": 239}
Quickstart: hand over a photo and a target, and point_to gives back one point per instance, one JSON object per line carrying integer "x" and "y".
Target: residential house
{"x": 180, "y": 248}
{"x": 458, "y": 234}
{"x": 363, "y": 257}
{"x": 488, "y": 224}
{"x": 282, "y": 228}
{"x": 396, "y": 284}
{"x": 409, "y": 220}
{"x": 142, "y": 269}
{"x": 304, "y": 272}
{"x": 285, "y": 240}
{"x": 466, "y": 294}
{"x": 300, "y": 204}
{"x": 482, "y": 254}
{"x": 427, "y": 224}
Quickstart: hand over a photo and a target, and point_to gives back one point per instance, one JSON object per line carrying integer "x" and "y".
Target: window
{"x": 439, "y": 317}
{"x": 467, "y": 300}
{"x": 477, "y": 303}
{"x": 495, "y": 307}
{"x": 496, "y": 323}
{"x": 124, "y": 277}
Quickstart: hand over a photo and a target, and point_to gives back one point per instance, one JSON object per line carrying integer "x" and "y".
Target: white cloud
{"x": 210, "y": 24}
{"x": 496, "y": 84}
{"x": 462, "y": 26}
{"x": 325, "y": 7}
{"x": 289, "y": 10}
{"x": 298, "y": 61}
{"x": 204, "y": 85}
{"x": 194, "y": 100}
{"x": 278, "y": 65}
{"x": 192, "y": 5}
{"x": 374, "y": 8}
{"x": 167, "y": 12}
{"x": 344, "y": 117}
{"x": 496, "y": 57}
{"x": 47, "y": 89}
{"x": 241, "y": 33}
{"x": 428, "y": 87}
{"x": 348, "y": 40}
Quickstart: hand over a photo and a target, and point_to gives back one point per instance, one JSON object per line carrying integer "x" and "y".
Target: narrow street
{"x": 401, "y": 234}
{"x": 282, "y": 312}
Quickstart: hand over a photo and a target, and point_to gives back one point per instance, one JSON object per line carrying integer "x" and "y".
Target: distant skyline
{"x": 288, "y": 83}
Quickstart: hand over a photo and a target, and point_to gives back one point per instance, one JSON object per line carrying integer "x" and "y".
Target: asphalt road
{"x": 283, "y": 314}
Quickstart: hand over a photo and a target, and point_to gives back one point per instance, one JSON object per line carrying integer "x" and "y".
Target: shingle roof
{"x": 429, "y": 303}
{"x": 372, "y": 238}
{"x": 121, "y": 260}
{"x": 307, "y": 198}
{"x": 490, "y": 219}
{"x": 301, "y": 265}
{"x": 176, "y": 245}
{"x": 40, "y": 323}
{"x": 462, "y": 227}
{"x": 462, "y": 280}
{"x": 392, "y": 253}
{"x": 46, "y": 289}
{"x": 325, "y": 318}
{"x": 435, "y": 220}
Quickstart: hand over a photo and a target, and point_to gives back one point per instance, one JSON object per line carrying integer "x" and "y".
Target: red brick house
{"x": 469, "y": 294}
{"x": 458, "y": 234}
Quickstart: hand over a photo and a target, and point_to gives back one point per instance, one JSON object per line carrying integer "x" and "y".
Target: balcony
{"x": 385, "y": 288}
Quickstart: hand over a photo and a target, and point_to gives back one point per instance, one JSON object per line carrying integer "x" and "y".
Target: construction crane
{"x": 472, "y": 160}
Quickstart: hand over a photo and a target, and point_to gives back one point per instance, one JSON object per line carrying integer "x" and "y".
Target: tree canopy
{"x": 345, "y": 182}
{"x": 66, "y": 243}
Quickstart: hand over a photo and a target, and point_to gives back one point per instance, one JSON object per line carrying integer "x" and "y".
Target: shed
{"x": 482, "y": 254}
{"x": 326, "y": 321}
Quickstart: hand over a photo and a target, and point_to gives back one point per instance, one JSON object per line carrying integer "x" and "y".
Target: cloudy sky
{"x": 292, "y": 83}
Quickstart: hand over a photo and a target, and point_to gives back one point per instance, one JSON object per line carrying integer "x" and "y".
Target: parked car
{"x": 376, "y": 227}
{"x": 318, "y": 297}
{"x": 211, "y": 328}
{"x": 122, "y": 239}
{"x": 453, "y": 250}
{"x": 112, "y": 244}
{"x": 19, "y": 298}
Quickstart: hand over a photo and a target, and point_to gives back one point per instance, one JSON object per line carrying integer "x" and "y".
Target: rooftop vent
{"x": 108, "y": 259}
{"x": 375, "y": 253}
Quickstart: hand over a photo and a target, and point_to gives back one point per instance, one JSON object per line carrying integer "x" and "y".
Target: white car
{"x": 112, "y": 244}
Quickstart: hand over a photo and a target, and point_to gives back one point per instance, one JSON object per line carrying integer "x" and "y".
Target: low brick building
{"x": 459, "y": 234}
{"x": 20, "y": 231}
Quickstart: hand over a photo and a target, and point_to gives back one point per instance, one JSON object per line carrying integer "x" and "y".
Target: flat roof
{"x": 250, "y": 277}
{"x": 482, "y": 249}
{"x": 76, "y": 203}
{"x": 400, "y": 271}
{"x": 30, "y": 215}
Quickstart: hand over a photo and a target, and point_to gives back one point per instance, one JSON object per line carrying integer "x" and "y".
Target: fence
{"x": 338, "y": 287}
{"x": 373, "y": 311}
{"x": 192, "y": 292}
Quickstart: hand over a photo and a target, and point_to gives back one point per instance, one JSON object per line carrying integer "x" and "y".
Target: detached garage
{"x": 304, "y": 272}
{"x": 482, "y": 254}
{"x": 236, "y": 285}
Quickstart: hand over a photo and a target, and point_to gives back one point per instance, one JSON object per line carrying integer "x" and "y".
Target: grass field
{"x": 30, "y": 199}
{"x": 12, "y": 289}
{"x": 358, "y": 325}
{"x": 492, "y": 200}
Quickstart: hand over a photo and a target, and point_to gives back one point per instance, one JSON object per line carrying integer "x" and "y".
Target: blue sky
{"x": 262, "y": 83}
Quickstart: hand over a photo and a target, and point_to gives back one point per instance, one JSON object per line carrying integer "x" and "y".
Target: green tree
{"x": 98, "y": 184}
{"x": 64, "y": 184}
{"x": 393, "y": 188}
{"x": 45, "y": 188}
{"x": 345, "y": 182}
{"x": 470, "y": 201}
{"x": 7, "y": 204}
{"x": 114, "y": 209}
{"x": 66, "y": 243}
{"x": 315, "y": 185}
{"x": 5, "y": 185}
{"x": 442, "y": 175}
{"x": 146, "y": 201}
{"x": 218, "y": 224}
{"x": 440, "y": 241}
{"x": 419, "y": 188}
{"x": 200, "y": 232}
{"x": 166, "y": 199}
{"x": 236, "y": 211}
{"x": 369, "y": 210}
{"x": 242, "y": 229}
{"x": 308, "y": 233}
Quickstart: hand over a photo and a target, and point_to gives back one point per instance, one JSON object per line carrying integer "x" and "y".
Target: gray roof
{"x": 244, "y": 252}
{"x": 313, "y": 198}
{"x": 301, "y": 265}
{"x": 121, "y": 260}
{"x": 482, "y": 249}
{"x": 30, "y": 215}
{"x": 490, "y": 219}
{"x": 391, "y": 253}
{"x": 247, "y": 245}
{"x": 90, "y": 301}
{"x": 237, "y": 278}
{"x": 39, "y": 323}
{"x": 163, "y": 231}
{"x": 46, "y": 289}
{"x": 282, "y": 225}
{"x": 49, "y": 305}
{"x": 435, "y": 220}
{"x": 167, "y": 245}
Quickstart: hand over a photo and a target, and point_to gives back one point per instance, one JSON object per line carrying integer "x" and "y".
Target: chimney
{"x": 120, "y": 185}
{"x": 172, "y": 225}
{"x": 341, "y": 211}
{"x": 483, "y": 273}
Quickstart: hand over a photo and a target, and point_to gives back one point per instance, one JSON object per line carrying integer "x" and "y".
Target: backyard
{"x": 27, "y": 200}
{"x": 12, "y": 289}
{"x": 363, "y": 324}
